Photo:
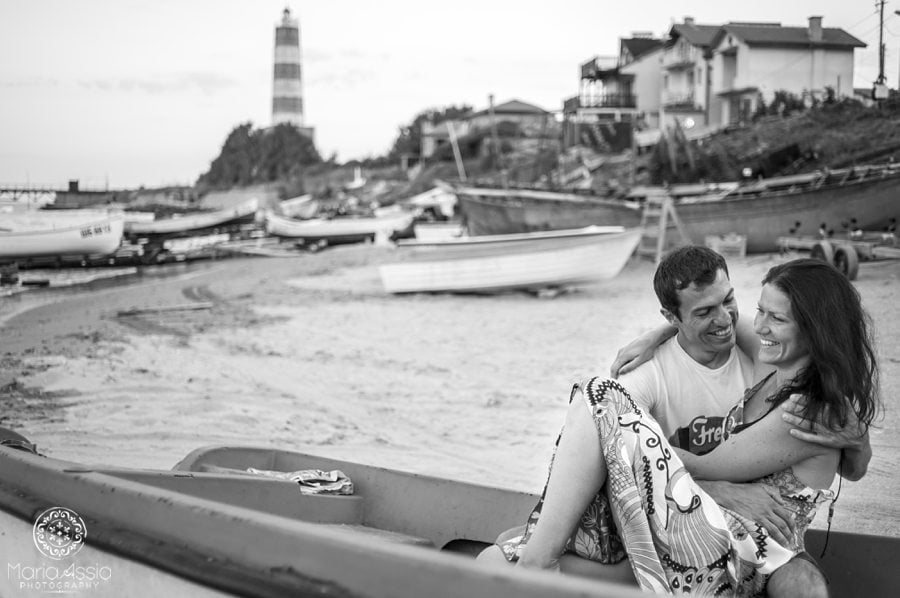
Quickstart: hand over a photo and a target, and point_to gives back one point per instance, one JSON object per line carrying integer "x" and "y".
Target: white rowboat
{"x": 521, "y": 261}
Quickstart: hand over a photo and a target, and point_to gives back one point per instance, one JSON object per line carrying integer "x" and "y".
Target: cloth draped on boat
{"x": 312, "y": 481}
{"x": 676, "y": 536}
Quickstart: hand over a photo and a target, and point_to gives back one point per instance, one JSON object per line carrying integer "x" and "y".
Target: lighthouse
{"x": 287, "y": 89}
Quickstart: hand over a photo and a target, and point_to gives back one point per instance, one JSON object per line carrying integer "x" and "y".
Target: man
{"x": 694, "y": 377}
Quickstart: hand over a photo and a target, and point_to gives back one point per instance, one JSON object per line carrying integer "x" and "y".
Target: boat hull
{"x": 338, "y": 230}
{"x": 244, "y": 211}
{"x": 499, "y": 263}
{"x": 855, "y": 564}
{"x": 493, "y": 212}
{"x": 764, "y": 217}
{"x": 761, "y": 211}
{"x": 251, "y": 536}
{"x": 98, "y": 237}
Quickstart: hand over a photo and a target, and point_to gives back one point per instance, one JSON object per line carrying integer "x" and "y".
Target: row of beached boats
{"x": 509, "y": 238}
{"x": 229, "y": 521}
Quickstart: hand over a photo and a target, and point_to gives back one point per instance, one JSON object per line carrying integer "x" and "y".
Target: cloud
{"x": 206, "y": 82}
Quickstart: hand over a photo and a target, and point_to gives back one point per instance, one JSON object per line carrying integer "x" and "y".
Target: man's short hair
{"x": 682, "y": 267}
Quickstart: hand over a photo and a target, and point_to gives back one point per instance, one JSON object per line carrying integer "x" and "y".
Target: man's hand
{"x": 853, "y": 438}
{"x": 757, "y": 502}
{"x": 640, "y": 350}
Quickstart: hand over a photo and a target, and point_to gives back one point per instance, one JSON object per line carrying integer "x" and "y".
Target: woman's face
{"x": 782, "y": 344}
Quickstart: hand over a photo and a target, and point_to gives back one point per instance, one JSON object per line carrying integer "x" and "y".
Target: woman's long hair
{"x": 843, "y": 372}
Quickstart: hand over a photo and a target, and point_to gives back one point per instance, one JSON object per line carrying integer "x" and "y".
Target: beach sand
{"x": 308, "y": 353}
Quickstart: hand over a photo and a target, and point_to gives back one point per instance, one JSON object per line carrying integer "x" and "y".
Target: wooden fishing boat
{"x": 347, "y": 229}
{"x": 492, "y": 263}
{"x": 208, "y": 527}
{"x": 245, "y": 211}
{"x": 762, "y": 211}
{"x": 100, "y": 235}
{"x": 487, "y": 211}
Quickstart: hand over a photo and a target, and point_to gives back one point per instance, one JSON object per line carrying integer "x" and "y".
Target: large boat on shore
{"x": 249, "y": 521}
{"x": 488, "y": 211}
{"x": 865, "y": 197}
{"x": 97, "y": 235}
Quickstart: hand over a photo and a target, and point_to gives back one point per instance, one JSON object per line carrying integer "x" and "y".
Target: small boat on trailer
{"x": 210, "y": 527}
{"x": 529, "y": 261}
{"x": 320, "y": 232}
{"x": 99, "y": 236}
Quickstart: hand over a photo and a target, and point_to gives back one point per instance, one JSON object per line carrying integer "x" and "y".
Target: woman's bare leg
{"x": 577, "y": 474}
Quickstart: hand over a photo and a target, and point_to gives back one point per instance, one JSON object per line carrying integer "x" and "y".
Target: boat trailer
{"x": 845, "y": 254}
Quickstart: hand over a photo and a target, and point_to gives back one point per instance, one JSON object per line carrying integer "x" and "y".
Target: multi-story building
{"x": 752, "y": 61}
{"x": 616, "y": 91}
{"x": 706, "y": 76}
{"x": 686, "y": 86}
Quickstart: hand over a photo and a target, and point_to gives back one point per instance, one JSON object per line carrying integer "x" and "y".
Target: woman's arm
{"x": 765, "y": 447}
{"x": 640, "y": 350}
{"x": 853, "y": 438}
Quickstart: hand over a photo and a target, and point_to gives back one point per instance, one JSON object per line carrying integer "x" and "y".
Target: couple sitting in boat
{"x": 660, "y": 476}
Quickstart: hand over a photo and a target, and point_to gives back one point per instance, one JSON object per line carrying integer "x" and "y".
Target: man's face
{"x": 708, "y": 315}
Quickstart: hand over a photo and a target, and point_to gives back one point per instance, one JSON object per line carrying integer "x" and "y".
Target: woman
{"x": 814, "y": 332}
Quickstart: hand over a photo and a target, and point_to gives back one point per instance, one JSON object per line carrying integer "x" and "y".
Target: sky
{"x": 123, "y": 93}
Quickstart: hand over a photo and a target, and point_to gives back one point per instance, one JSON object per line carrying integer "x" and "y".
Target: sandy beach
{"x": 308, "y": 353}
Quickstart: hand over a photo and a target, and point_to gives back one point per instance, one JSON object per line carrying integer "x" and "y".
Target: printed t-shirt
{"x": 689, "y": 400}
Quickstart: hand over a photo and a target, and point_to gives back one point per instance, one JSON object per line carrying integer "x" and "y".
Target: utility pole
{"x": 880, "y": 90}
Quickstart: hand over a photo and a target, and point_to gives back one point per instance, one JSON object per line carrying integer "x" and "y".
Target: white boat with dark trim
{"x": 530, "y": 261}
{"x": 101, "y": 235}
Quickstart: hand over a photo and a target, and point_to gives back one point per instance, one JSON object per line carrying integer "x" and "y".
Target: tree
{"x": 251, "y": 156}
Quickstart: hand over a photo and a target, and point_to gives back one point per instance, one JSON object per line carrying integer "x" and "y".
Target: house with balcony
{"x": 615, "y": 93}
{"x": 686, "y": 87}
{"x": 530, "y": 120}
{"x": 752, "y": 61}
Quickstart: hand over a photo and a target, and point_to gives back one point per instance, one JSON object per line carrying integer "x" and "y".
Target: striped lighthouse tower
{"x": 287, "y": 92}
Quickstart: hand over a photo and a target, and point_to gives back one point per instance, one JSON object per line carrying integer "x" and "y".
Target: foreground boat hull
{"x": 507, "y": 262}
{"x": 209, "y": 528}
{"x": 244, "y": 535}
{"x": 856, "y": 564}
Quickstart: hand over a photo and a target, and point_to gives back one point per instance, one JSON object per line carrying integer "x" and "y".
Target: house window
{"x": 699, "y": 77}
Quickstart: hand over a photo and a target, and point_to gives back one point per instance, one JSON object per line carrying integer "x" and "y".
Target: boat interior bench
{"x": 270, "y": 495}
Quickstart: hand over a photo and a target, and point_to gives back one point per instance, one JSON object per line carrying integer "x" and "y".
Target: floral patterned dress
{"x": 676, "y": 536}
